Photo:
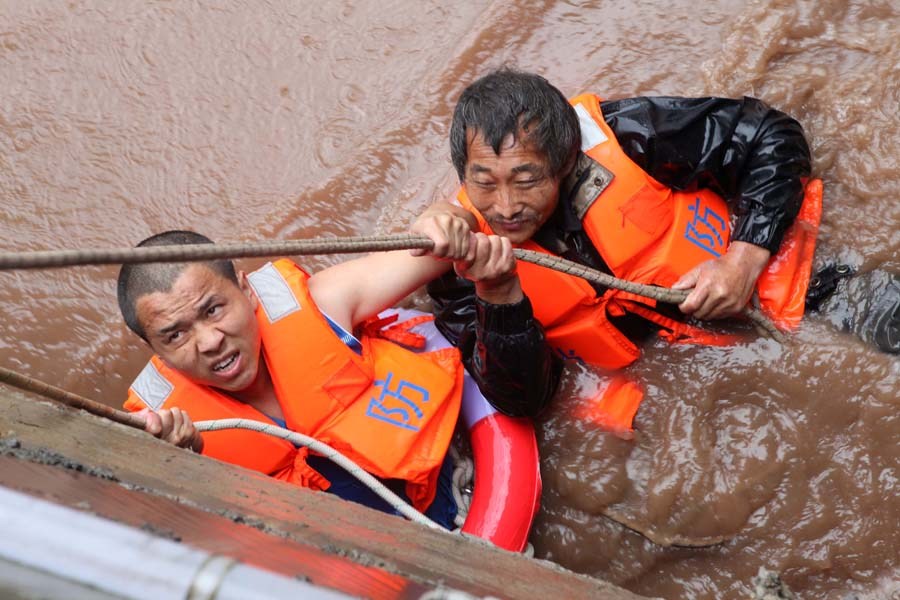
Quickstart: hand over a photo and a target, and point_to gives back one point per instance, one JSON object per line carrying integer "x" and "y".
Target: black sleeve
{"x": 748, "y": 152}
{"x": 502, "y": 346}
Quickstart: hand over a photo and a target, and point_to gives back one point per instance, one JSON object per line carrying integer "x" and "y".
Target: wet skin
{"x": 515, "y": 190}
{"x": 205, "y": 327}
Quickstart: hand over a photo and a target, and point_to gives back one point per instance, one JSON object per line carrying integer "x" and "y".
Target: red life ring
{"x": 507, "y": 490}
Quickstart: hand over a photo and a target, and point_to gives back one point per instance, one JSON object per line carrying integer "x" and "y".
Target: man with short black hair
{"x": 282, "y": 346}
{"x": 136, "y": 280}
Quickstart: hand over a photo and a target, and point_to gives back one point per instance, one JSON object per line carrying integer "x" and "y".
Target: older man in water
{"x": 634, "y": 187}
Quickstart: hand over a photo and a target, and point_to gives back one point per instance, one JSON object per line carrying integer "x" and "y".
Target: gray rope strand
{"x": 661, "y": 294}
{"x": 49, "y": 259}
{"x": 330, "y": 453}
{"x": 572, "y": 268}
{"x": 347, "y": 245}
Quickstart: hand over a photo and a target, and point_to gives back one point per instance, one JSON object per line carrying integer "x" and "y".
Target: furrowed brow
{"x": 170, "y": 328}
{"x": 181, "y": 324}
{"x": 205, "y": 305}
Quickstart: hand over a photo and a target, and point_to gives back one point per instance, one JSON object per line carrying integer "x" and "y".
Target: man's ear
{"x": 244, "y": 284}
{"x": 142, "y": 335}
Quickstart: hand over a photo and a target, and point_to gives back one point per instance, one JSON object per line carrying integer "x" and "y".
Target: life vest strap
{"x": 398, "y": 333}
{"x": 300, "y": 473}
{"x": 678, "y": 332}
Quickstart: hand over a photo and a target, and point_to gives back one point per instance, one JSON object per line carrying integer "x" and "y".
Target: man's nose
{"x": 209, "y": 339}
{"x": 505, "y": 202}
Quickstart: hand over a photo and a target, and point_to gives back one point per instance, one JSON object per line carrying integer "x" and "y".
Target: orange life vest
{"x": 648, "y": 233}
{"x": 390, "y": 410}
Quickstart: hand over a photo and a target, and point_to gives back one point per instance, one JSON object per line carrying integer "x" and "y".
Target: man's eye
{"x": 485, "y": 184}
{"x": 174, "y": 336}
{"x": 214, "y": 310}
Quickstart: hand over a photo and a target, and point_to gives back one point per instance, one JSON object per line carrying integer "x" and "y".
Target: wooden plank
{"x": 74, "y": 440}
{"x": 169, "y": 519}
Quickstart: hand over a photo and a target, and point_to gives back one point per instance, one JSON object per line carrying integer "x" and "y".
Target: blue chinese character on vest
{"x": 706, "y": 229}
{"x": 400, "y": 406}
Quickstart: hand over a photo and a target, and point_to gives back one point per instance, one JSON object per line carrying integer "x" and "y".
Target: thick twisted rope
{"x": 572, "y": 268}
{"x": 347, "y": 245}
{"x": 48, "y": 259}
{"x": 661, "y": 294}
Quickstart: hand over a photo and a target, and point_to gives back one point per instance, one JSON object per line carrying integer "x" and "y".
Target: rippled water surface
{"x": 259, "y": 120}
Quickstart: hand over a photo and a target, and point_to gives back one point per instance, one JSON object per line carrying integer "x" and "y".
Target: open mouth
{"x": 225, "y": 364}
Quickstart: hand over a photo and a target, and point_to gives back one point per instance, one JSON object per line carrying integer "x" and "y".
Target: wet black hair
{"x": 507, "y": 102}
{"x": 142, "y": 279}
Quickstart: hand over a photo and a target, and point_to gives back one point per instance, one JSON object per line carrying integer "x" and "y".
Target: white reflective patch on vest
{"x": 273, "y": 292}
{"x": 591, "y": 134}
{"x": 151, "y": 387}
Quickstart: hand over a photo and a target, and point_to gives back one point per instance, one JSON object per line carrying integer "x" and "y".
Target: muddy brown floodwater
{"x": 258, "y": 120}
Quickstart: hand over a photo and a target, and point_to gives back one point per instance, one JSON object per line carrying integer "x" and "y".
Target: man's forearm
{"x": 512, "y": 362}
{"x": 503, "y": 347}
